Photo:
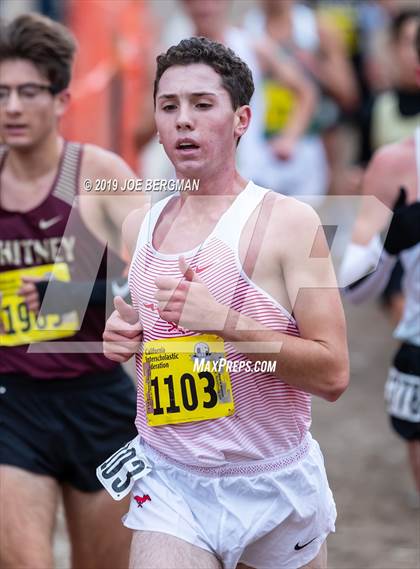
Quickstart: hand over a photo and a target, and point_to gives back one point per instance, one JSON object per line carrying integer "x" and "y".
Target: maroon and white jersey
{"x": 51, "y": 235}
{"x": 271, "y": 418}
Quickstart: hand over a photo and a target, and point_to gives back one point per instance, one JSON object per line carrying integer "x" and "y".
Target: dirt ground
{"x": 366, "y": 462}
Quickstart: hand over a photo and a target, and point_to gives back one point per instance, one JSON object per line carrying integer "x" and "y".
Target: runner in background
{"x": 396, "y": 112}
{"x": 317, "y": 49}
{"x": 393, "y": 177}
{"x": 64, "y": 407}
{"x": 364, "y": 29}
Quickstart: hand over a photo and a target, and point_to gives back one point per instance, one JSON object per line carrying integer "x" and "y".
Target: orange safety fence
{"x": 110, "y": 76}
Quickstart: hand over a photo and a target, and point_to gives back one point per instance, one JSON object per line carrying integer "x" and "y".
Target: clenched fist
{"x": 188, "y": 302}
{"x": 123, "y": 332}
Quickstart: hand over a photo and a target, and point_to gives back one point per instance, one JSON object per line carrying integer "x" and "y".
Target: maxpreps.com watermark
{"x": 222, "y": 364}
{"x": 140, "y": 185}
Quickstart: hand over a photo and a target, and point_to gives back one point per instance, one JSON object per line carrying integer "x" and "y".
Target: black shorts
{"x": 406, "y": 429}
{"x": 65, "y": 428}
{"x": 407, "y": 361}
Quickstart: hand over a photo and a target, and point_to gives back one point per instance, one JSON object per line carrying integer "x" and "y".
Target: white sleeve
{"x": 365, "y": 270}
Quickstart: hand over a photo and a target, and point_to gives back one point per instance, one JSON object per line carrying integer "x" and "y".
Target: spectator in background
{"x": 396, "y": 112}
{"x": 361, "y": 25}
{"x": 317, "y": 49}
{"x": 363, "y": 29}
{"x": 209, "y": 18}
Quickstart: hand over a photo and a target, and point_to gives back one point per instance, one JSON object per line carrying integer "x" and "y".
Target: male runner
{"x": 221, "y": 279}
{"x": 393, "y": 176}
{"x": 394, "y": 115}
{"x": 61, "y": 412}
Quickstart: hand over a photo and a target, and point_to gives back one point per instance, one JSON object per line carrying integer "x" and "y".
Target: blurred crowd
{"x": 334, "y": 80}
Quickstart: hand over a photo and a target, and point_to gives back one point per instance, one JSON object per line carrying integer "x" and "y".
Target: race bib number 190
{"x": 184, "y": 381}
{"x": 23, "y": 326}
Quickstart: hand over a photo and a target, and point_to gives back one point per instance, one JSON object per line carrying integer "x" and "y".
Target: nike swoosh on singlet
{"x": 298, "y": 547}
{"x": 201, "y": 269}
{"x": 47, "y": 223}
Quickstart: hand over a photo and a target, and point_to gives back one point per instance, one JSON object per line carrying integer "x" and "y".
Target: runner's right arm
{"x": 123, "y": 333}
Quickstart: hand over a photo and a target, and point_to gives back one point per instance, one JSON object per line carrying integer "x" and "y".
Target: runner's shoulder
{"x": 131, "y": 226}
{"x": 388, "y": 166}
{"x": 293, "y": 225}
{"x": 98, "y": 162}
{"x": 291, "y": 215}
{"x": 391, "y": 158}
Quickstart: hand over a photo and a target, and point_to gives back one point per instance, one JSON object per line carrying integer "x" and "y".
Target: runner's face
{"x": 207, "y": 15}
{"x": 195, "y": 120}
{"x": 27, "y": 115}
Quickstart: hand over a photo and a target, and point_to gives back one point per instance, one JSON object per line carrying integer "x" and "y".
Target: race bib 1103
{"x": 182, "y": 381}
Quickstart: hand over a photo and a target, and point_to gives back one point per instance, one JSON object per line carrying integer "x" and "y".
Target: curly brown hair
{"x": 45, "y": 43}
{"x": 235, "y": 73}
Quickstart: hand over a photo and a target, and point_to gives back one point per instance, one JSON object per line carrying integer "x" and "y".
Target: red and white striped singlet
{"x": 271, "y": 417}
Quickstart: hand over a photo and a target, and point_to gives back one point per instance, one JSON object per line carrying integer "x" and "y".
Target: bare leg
{"x": 414, "y": 458}
{"x": 99, "y": 539}
{"x": 163, "y": 551}
{"x": 28, "y": 504}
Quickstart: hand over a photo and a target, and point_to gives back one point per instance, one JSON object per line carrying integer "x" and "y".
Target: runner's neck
{"x": 36, "y": 162}
{"x": 226, "y": 183}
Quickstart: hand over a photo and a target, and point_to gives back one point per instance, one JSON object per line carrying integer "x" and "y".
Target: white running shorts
{"x": 277, "y": 519}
